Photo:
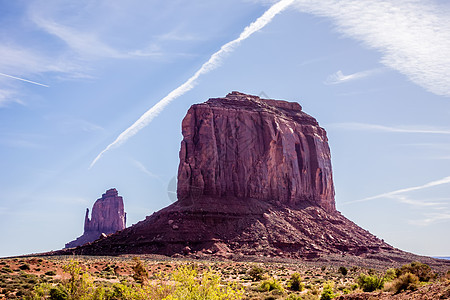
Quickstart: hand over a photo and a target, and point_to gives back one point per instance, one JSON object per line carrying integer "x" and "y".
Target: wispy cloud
{"x": 442, "y": 181}
{"x": 417, "y": 203}
{"x": 21, "y": 140}
{"x": 68, "y": 124}
{"x": 22, "y": 79}
{"x": 81, "y": 42}
{"x": 8, "y": 96}
{"x": 141, "y": 167}
{"x": 339, "y": 77}
{"x": 412, "y": 36}
{"x": 431, "y": 218}
{"x": 178, "y": 35}
{"x": 19, "y": 61}
{"x": 90, "y": 44}
{"x": 393, "y": 129}
{"x": 431, "y": 210}
{"x": 150, "y": 51}
{"x": 21, "y": 64}
{"x": 212, "y": 63}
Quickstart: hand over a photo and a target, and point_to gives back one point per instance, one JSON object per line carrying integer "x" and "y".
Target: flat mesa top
{"x": 241, "y": 101}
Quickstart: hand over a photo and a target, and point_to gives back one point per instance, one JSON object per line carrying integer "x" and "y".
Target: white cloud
{"x": 90, "y": 44}
{"x": 29, "y": 66}
{"x": 8, "y": 96}
{"x": 431, "y": 210}
{"x": 67, "y": 124}
{"x": 21, "y": 141}
{"x": 178, "y": 35}
{"x": 81, "y": 42}
{"x": 393, "y": 129}
{"x": 23, "y": 79}
{"x": 413, "y": 36}
{"x": 213, "y": 62}
{"x": 431, "y": 218}
{"x": 417, "y": 203}
{"x": 339, "y": 77}
{"x": 395, "y": 193}
{"x": 20, "y": 61}
{"x": 141, "y": 167}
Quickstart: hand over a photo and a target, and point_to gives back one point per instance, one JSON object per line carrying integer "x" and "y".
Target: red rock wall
{"x": 246, "y": 147}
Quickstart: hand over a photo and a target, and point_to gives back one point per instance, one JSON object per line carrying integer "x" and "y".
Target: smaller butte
{"x": 108, "y": 216}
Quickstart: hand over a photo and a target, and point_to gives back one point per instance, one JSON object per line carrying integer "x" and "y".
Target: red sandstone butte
{"x": 108, "y": 216}
{"x": 246, "y": 147}
{"x": 254, "y": 179}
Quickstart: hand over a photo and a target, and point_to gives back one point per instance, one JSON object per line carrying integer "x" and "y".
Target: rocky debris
{"x": 254, "y": 180}
{"x": 108, "y": 216}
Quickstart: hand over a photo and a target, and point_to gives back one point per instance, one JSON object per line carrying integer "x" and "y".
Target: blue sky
{"x": 376, "y": 75}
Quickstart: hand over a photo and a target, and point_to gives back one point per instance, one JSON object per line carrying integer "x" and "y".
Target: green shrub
{"x": 422, "y": 271}
{"x": 24, "y": 267}
{"x": 58, "y": 293}
{"x": 256, "y": 273}
{"x": 79, "y": 283}
{"x": 327, "y": 291}
{"x": 370, "y": 283}
{"x": 405, "y": 282}
{"x": 6, "y": 270}
{"x": 270, "y": 285}
{"x": 50, "y": 273}
{"x": 189, "y": 286}
{"x": 343, "y": 270}
{"x": 295, "y": 283}
{"x": 140, "y": 274}
{"x": 391, "y": 274}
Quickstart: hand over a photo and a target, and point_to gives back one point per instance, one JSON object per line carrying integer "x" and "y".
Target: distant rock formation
{"x": 254, "y": 179}
{"x": 108, "y": 216}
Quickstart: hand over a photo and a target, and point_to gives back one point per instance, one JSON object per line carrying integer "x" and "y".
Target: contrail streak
{"x": 18, "y": 78}
{"x": 444, "y": 180}
{"x": 212, "y": 63}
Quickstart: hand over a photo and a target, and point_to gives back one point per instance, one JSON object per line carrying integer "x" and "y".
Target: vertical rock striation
{"x": 108, "y": 216}
{"x": 246, "y": 147}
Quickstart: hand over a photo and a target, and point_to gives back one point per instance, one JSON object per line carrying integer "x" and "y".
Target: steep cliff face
{"x": 108, "y": 216}
{"x": 247, "y": 147}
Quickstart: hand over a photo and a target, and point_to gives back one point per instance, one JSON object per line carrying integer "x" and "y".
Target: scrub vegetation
{"x": 153, "y": 278}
